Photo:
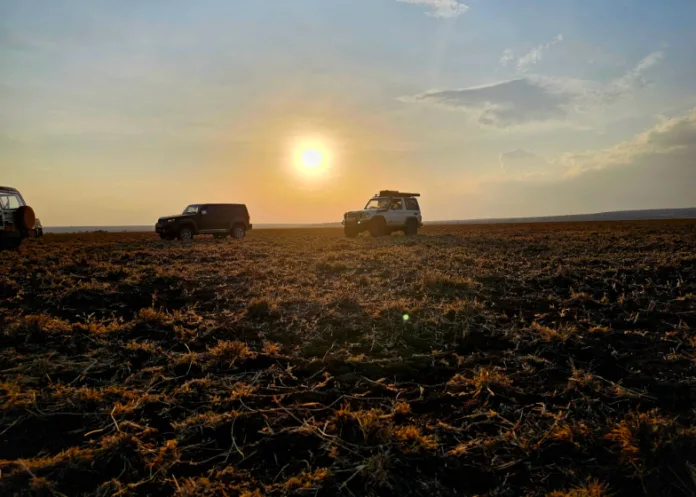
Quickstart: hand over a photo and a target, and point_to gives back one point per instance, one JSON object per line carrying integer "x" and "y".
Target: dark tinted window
{"x": 412, "y": 204}
{"x": 228, "y": 210}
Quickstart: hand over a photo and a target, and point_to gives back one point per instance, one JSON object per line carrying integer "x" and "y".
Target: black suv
{"x": 219, "y": 220}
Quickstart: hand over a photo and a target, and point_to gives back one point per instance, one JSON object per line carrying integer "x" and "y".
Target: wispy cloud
{"x": 506, "y": 103}
{"x": 673, "y": 135}
{"x": 530, "y": 58}
{"x": 521, "y": 161}
{"x": 535, "y": 99}
{"x": 443, "y": 9}
{"x": 633, "y": 79}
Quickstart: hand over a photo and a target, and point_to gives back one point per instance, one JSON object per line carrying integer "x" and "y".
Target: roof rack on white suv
{"x": 394, "y": 193}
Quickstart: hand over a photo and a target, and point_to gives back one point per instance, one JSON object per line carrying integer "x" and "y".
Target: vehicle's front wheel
{"x": 411, "y": 227}
{"x": 351, "y": 231}
{"x": 185, "y": 234}
{"x": 378, "y": 227}
{"x": 238, "y": 231}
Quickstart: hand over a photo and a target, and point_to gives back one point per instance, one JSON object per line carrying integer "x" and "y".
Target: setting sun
{"x": 312, "y": 158}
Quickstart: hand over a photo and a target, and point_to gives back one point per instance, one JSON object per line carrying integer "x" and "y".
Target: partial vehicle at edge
{"x": 17, "y": 219}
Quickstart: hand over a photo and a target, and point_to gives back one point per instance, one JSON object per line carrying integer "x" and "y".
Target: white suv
{"x": 386, "y": 212}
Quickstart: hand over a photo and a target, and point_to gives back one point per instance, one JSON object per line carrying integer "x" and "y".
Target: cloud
{"x": 675, "y": 135}
{"x": 507, "y": 103}
{"x": 630, "y": 81}
{"x": 442, "y": 9}
{"x": 520, "y": 160}
{"x": 532, "y": 57}
{"x": 537, "y": 99}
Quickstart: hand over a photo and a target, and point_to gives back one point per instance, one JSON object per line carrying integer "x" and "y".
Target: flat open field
{"x": 503, "y": 360}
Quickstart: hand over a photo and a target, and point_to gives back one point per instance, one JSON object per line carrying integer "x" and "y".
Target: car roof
{"x": 8, "y": 189}
{"x": 225, "y": 205}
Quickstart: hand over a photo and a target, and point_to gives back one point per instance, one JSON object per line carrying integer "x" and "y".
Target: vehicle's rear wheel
{"x": 378, "y": 227}
{"x": 238, "y": 231}
{"x": 185, "y": 234}
{"x": 411, "y": 227}
{"x": 351, "y": 231}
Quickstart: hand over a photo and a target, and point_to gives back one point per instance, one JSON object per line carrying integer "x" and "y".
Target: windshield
{"x": 10, "y": 201}
{"x": 191, "y": 209}
{"x": 378, "y": 203}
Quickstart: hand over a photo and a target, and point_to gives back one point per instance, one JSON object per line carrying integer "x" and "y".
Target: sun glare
{"x": 312, "y": 158}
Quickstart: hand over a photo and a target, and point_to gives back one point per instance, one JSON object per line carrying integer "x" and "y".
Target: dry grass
{"x": 538, "y": 360}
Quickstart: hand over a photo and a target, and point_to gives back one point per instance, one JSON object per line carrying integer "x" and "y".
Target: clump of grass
{"x": 39, "y": 324}
{"x": 260, "y": 308}
{"x": 570, "y": 433}
{"x": 640, "y": 434}
{"x": 402, "y": 409}
{"x": 271, "y": 348}
{"x": 373, "y": 424}
{"x": 307, "y": 480}
{"x": 153, "y": 316}
{"x": 242, "y": 391}
{"x": 562, "y": 333}
{"x": 205, "y": 420}
{"x": 592, "y": 488}
{"x": 484, "y": 379}
{"x": 581, "y": 296}
{"x": 166, "y": 457}
{"x": 434, "y": 280}
{"x": 583, "y": 380}
{"x": 331, "y": 267}
{"x": 228, "y": 352}
{"x": 413, "y": 440}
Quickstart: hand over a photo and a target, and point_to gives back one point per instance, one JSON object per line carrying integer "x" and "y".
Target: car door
{"x": 396, "y": 215}
{"x": 207, "y": 218}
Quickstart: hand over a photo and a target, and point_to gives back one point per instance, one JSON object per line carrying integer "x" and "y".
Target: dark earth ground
{"x": 545, "y": 359}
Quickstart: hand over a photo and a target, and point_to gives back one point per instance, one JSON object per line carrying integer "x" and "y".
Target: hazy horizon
{"x": 116, "y": 113}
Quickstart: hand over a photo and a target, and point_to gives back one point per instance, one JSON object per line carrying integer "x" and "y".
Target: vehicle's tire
{"x": 238, "y": 231}
{"x": 378, "y": 227}
{"x": 25, "y": 218}
{"x": 186, "y": 234}
{"x": 411, "y": 227}
{"x": 351, "y": 231}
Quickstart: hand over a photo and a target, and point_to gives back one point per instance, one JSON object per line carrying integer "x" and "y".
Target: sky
{"x": 119, "y": 112}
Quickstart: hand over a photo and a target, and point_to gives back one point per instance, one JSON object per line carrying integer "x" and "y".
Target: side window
{"x": 412, "y": 204}
{"x": 397, "y": 204}
{"x": 10, "y": 202}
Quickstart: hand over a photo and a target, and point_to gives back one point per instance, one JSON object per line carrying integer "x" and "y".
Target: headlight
{"x": 171, "y": 220}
